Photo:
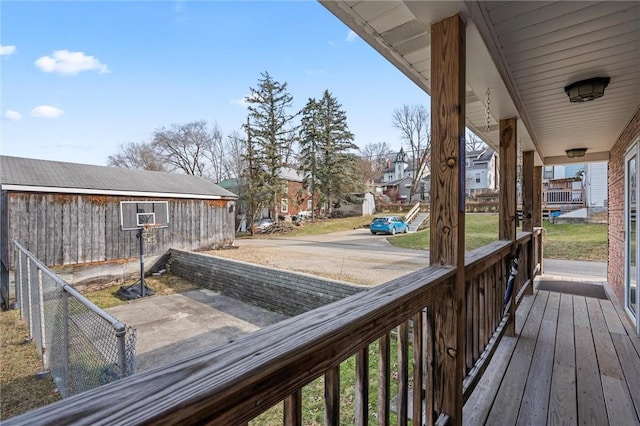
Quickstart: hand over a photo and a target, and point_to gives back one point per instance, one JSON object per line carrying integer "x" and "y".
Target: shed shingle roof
{"x": 55, "y": 175}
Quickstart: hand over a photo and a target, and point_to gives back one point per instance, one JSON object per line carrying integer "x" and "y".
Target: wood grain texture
{"x": 362, "y": 387}
{"x": 332, "y": 397}
{"x": 418, "y": 364}
{"x": 591, "y": 407}
{"x": 536, "y": 203}
{"x": 448, "y": 45}
{"x": 563, "y": 408}
{"x": 527, "y": 190}
{"x": 535, "y": 400}
{"x": 508, "y": 163}
{"x": 384, "y": 379}
{"x": 293, "y": 409}
{"x": 403, "y": 374}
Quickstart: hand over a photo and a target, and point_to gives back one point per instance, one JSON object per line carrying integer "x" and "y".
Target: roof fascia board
{"x": 85, "y": 191}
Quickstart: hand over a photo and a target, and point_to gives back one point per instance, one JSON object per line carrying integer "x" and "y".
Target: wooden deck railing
{"x": 235, "y": 383}
{"x": 552, "y": 197}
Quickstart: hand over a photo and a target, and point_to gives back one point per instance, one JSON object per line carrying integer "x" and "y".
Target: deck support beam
{"x": 507, "y": 220}
{"x": 448, "y": 44}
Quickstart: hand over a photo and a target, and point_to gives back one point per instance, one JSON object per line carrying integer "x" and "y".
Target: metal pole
{"x": 43, "y": 336}
{"x": 29, "y": 296}
{"x": 66, "y": 362}
{"x": 17, "y": 280}
{"x": 142, "y": 286}
{"x": 121, "y": 333}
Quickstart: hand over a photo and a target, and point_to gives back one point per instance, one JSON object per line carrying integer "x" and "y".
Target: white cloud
{"x": 70, "y": 63}
{"x": 12, "y": 115}
{"x": 7, "y": 50}
{"x": 351, "y": 36}
{"x": 241, "y": 101}
{"x": 46, "y": 111}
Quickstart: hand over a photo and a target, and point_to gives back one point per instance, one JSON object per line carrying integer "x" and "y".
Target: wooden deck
{"x": 575, "y": 360}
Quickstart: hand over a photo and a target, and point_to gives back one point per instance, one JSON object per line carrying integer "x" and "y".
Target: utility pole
{"x": 251, "y": 198}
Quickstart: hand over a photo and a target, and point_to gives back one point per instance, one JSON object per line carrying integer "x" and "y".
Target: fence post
{"x": 65, "y": 344}
{"x": 121, "y": 333}
{"x": 30, "y": 305}
{"x": 43, "y": 336}
{"x": 17, "y": 279}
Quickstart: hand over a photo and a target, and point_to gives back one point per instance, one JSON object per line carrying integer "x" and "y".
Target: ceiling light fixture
{"x": 576, "y": 152}
{"x": 587, "y": 90}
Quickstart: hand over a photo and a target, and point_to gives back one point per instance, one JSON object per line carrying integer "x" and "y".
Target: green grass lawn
{"x": 585, "y": 241}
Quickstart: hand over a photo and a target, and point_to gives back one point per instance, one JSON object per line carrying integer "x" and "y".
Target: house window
{"x": 309, "y": 204}
{"x": 284, "y": 205}
{"x": 548, "y": 172}
{"x": 477, "y": 177}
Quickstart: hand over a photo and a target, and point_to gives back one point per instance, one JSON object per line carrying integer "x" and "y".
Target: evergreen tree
{"x": 310, "y": 148}
{"x": 325, "y": 145}
{"x": 270, "y": 131}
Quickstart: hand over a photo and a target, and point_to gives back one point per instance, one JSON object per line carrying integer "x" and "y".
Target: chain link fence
{"x": 81, "y": 345}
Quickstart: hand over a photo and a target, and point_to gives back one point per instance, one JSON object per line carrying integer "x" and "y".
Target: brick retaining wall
{"x": 285, "y": 292}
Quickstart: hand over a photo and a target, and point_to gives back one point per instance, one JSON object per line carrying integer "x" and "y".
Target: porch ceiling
{"x": 525, "y": 53}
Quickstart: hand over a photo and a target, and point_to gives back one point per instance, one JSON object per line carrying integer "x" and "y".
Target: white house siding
{"x": 596, "y": 184}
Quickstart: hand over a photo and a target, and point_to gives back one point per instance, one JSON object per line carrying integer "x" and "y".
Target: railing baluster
{"x": 362, "y": 387}
{"x": 418, "y": 358}
{"x": 428, "y": 344}
{"x": 403, "y": 372}
{"x": 332, "y": 397}
{"x": 384, "y": 377}
{"x": 293, "y": 409}
{"x": 468, "y": 353}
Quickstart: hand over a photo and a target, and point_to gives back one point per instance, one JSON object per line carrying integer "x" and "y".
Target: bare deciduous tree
{"x": 473, "y": 142}
{"x": 373, "y": 161}
{"x": 189, "y": 147}
{"x": 413, "y": 123}
{"x": 137, "y": 156}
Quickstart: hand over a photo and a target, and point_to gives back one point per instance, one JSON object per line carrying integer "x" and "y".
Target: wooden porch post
{"x": 528, "y": 199}
{"x": 447, "y": 207}
{"x": 507, "y": 220}
{"x": 536, "y": 217}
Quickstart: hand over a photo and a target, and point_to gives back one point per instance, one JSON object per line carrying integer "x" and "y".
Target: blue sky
{"x": 78, "y": 79}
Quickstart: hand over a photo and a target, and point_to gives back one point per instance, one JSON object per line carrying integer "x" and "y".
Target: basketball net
{"x": 149, "y": 233}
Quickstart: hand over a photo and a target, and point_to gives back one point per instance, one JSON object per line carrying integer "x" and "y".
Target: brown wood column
{"x": 527, "y": 191}
{"x": 508, "y": 209}
{"x": 528, "y": 198}
{"x": 508, "y": 166}
{"x": 536, "y": 217}
{"x": 448, "y": 45}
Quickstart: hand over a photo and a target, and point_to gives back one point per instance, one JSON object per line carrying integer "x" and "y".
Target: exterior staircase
{"x": 417, "y": 221}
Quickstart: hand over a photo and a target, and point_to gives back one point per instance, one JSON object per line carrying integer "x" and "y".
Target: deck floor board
{"x": 575, "y": 361}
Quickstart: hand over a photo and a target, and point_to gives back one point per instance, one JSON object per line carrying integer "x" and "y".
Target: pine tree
{"x": 325, "y": 145}
{"x": 270, "y": 132}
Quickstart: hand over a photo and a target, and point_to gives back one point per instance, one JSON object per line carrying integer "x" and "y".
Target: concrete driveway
{"x": 355, "y": 256}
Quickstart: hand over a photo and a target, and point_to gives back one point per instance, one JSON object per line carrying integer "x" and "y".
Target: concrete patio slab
{"x": 179, "y": 325}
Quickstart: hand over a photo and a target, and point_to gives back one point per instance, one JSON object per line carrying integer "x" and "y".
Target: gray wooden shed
{"x": 69, "y": 214}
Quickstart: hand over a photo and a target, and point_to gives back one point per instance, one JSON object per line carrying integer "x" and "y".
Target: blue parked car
{"x": 389, "y": 225}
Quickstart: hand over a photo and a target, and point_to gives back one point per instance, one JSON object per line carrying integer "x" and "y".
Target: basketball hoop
{"x": 149, "y": 233}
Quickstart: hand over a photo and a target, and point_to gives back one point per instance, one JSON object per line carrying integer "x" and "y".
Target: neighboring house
{"x": 297, "y": 198}
{"x": 69, "y": 214}
{"x": 481, "y": 171}
{"x": 398, "y": 177}
{"x": 587, "y": 182}
{"x": 294, "y": 200}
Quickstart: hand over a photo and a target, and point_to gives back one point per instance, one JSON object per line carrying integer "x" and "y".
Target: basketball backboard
{"x": 135, "y": 215}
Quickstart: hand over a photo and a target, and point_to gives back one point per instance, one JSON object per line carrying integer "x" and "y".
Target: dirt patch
{"x": 276, "y": 258}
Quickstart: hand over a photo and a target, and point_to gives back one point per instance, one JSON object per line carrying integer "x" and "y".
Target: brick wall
{"x": 616, "y": 266}
{"x": 288, "y": 293}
